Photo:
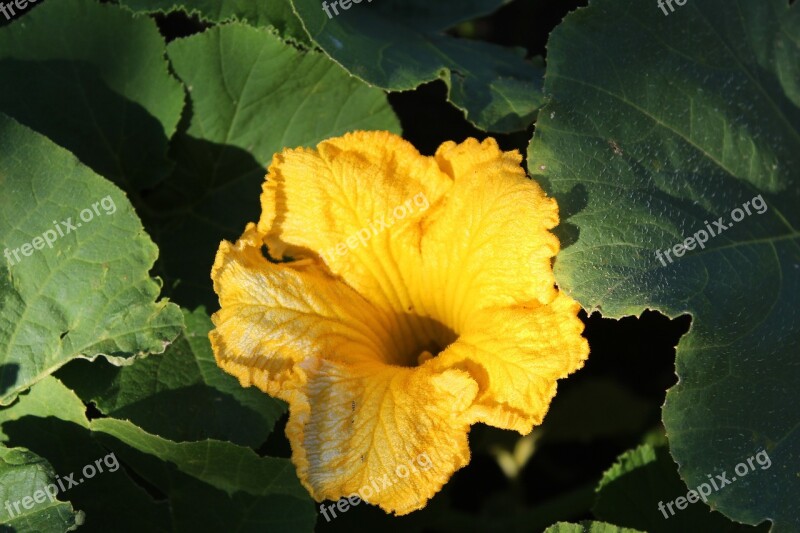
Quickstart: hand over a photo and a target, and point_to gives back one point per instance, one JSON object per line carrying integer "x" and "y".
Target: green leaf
{"x": 631, "y": 491}
{"x": 93, "y": 78}
{"x": 50, "y": 421}
{"x": 181, "y": 394}
{"x": 28, "y": 480}
{"x": 587, "y": 526}
{"x": 207, "y": 485}
{"x": 278, "y": 14}
{"x": 85, "y": 295}
{"x": 252, "y": 95}
{"x": 252, "y": 91}
{"x": 657, "y": 125}
{"x": 401, "y": 44}
{"x": 214, "y": 484}
{"x": 233, "y": 468}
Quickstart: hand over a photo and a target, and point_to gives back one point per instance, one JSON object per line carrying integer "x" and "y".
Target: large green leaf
{"x": 30, "y": 495}
{"x": 81, "y": 294}
{"x": 94, "y": 79}
{"x": 252, "y": 91}
{"x": 181, "y": 394}
{"x": 251, "y": 96}
{"x": 50, "y": 421}
{"x": 658, "y": 124}
{"x": 401, "y": 44}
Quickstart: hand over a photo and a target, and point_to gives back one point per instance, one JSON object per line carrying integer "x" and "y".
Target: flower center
{"x": 418, "y": 339}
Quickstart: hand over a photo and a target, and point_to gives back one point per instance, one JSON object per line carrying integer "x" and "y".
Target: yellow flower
{"x": 415, "y": 297}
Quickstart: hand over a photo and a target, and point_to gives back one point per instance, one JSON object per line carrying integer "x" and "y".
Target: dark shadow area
{"x": 277, "y": 445}
{"x": 9, "y": 374}
{"x": 522, "y": 23}
{"x": 212, "y": 194}
{"x": 428, "y": 120}
{"x": 177, "y": 24}
{"x": 569, "y": 204}
{"x": 68, "y": 102}
{"x": 637, "y": 351}
{"x": 184, "y": 408}
{"x": 108, "y": 498}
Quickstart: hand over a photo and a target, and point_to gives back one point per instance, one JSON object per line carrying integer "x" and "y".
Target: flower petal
{"x": 392, "y": 435}
{"x": 488, "y": 244}
{"x": 516, "y": 354}
{"x": 274, "y": 317}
